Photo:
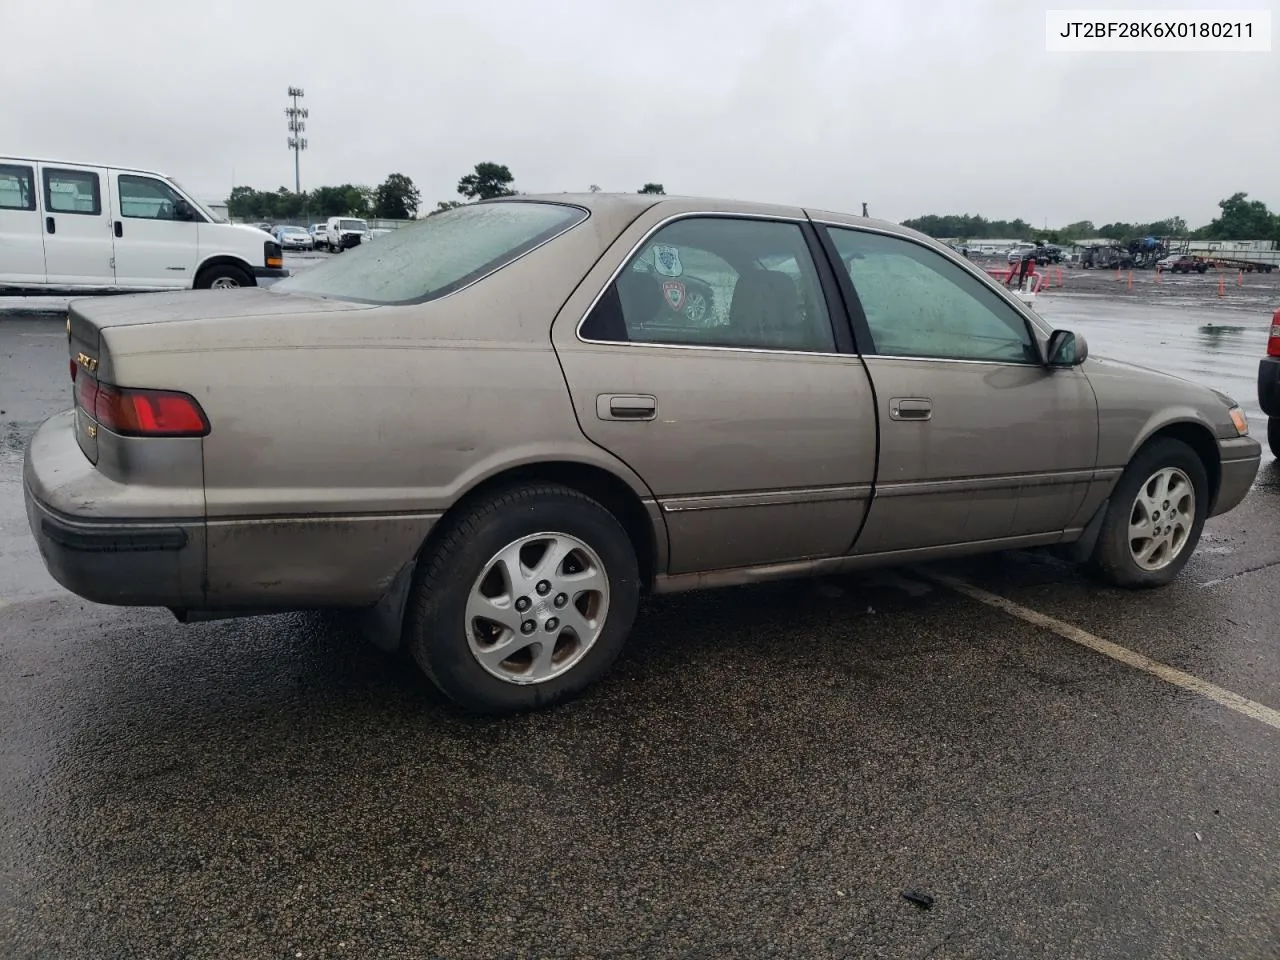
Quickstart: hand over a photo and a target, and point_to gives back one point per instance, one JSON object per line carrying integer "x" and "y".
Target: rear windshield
{"x": 443, "y": 253}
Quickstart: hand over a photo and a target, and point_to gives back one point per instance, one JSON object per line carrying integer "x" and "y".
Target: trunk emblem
{"x": 92, "y": 431}
{"x": 86, "y": 361}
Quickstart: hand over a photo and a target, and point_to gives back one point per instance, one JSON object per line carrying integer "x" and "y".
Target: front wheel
{"x": 1153, "y": 522}
{"x": 223, "y": 277}
{"x": 524, "y": 600}
{"x": 1273, "y": 435}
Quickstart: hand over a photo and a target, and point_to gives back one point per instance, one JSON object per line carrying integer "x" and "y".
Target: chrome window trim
{"x": 723, "y": 214}
{"x": 1019, "y": 307}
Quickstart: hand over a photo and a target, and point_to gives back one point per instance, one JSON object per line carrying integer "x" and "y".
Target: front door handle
{"x": 626, "y": 406}
{"x": 910, "y": 408}
{"x": 49, "y": 225}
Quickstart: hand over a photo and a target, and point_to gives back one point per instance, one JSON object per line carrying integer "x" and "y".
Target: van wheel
{"x": 223, "y": 277}
{"x": 524, "y": 601}
{"x": 1273, "y": 435}
{"x": 1153, "y": 523}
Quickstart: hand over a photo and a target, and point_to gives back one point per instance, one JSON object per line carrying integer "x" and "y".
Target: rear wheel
{"x": 1273, "y": 435}
{"x": 1153, "y": 522}
{"x": 223, "y": 277}
{"x": 524, "y": 600}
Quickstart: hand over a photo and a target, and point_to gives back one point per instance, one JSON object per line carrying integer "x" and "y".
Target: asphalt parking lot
{"x": 1065, "y": 770}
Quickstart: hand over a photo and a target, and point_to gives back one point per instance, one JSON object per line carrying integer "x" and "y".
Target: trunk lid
{"x": 88, "y": 317}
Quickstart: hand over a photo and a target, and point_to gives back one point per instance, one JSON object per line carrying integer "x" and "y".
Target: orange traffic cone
{"x": 1157, "y": 274}
{"x": 1130, "y": 283}
{"x": 1222, "y": 286}
{"x": 1061, "y": 277}
{"x": 1240, "y": 279}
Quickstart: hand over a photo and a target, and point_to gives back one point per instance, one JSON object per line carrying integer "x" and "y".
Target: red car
{"x": 1183, "y": 264}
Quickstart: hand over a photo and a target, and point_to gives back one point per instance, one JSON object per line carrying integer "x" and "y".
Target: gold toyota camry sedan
{"x": 493, "y": 430}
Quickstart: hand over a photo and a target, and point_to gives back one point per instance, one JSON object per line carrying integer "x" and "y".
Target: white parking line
{"x": 1232, "y": 701}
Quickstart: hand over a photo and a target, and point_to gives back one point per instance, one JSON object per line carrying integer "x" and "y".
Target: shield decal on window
{"x": 673, "y": 291}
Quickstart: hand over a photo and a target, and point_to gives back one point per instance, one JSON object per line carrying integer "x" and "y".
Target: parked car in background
{"x": 85, "y": 227}
{"x": 1182, "y": 264}
{"x": 532, "y": 434}
{"x": 317, "y": 235}
{"x": 294, "y": 238}
{"x": 343, "y": 233}
{"x": 1269, "y": 385}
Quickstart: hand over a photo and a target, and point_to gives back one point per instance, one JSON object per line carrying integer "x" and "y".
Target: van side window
{"x": 17, "y": 188}
{"x": 147, "y": 198}
{"x": 72, "y": 191}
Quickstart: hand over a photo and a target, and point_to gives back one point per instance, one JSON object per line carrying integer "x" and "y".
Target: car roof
{"x": 637, "y": 203}
{"x": 82, "y": 163}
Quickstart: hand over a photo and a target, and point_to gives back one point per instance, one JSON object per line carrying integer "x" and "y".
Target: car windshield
{"x": 294, "y": 230}
{"x": 352, "y": 225}
{"x": 443, "y": 253}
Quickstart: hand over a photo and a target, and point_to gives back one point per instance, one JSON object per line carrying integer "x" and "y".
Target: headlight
{"x": 1241, "y": 422}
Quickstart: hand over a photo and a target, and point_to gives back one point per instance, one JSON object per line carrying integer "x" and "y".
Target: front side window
{"x": 718, "y": 282}
{"x": 919, "y": 304}
{"x": 72, "y": 191}
{"x": 146, "y": 198}
{"x": 436, "y": 256}
{"x": 17, "y": 188}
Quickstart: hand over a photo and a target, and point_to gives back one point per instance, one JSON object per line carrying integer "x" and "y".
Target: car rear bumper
{"x": 144, "y": 561}
{"x": 1240, "y": 458}
{"x": 1269, "y": 386}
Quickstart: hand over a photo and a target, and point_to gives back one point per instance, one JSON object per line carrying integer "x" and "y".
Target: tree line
{"x": 396, "y": 198}
{"x": 1239, "y": 219}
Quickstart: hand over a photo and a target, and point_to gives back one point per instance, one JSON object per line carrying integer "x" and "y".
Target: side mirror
{"x": 1067, "y": 349}
{"x": 182, "y": 211}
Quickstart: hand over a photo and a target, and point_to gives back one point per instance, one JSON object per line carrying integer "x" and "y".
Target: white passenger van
{"x": 74, "y": 226}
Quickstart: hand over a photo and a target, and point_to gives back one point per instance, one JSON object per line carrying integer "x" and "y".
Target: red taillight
{"x": 1273, "y": 342}
{"x": 142, "y": 413}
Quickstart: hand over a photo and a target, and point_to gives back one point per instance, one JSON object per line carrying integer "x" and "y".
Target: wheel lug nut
{"x": 552, "y": 623}
{"x": 561, "y": 599}
{"x": 543, "y": 588}
{"x": 528, "y": 626}
{"x": 523, "y": 604}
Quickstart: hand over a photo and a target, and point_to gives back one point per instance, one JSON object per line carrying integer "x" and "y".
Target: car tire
{"x": 1273, "y": 435}
{"x": 1201, "y": 269}
{"x": 223, "y": 276}
{"x": 1115, "y": 559}
{"x": 467, "y": 572}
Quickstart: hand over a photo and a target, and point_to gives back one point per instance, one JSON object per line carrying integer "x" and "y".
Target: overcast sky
{"x": 913, "y": 106}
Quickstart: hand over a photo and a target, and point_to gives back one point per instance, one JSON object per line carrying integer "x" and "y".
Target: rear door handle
{"x": 910, "y": 408}
{"x": 49, "y": 225}
{"x": 626, "y": 406}
{"x": 119, "y": 229}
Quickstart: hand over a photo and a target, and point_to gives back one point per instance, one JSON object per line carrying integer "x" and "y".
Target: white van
{"x": 74, "y": 226}
{"x": 342, "y": 233}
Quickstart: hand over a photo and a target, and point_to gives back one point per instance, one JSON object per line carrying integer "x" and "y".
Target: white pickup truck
{"x": 81, "y": 227}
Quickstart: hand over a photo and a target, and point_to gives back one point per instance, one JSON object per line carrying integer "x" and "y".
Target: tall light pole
{"x": 297, "y": 142}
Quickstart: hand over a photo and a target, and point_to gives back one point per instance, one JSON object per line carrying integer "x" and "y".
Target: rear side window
{"x": 17, "y": 188}
{"x": 443, "y": 253}
{"x": 72, "y": 191}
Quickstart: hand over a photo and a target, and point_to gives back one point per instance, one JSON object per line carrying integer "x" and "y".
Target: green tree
{"x": 444, "y": 205}
{"x": 397, "y": 198}
{"x": 652, "y": 188}
{"x": 489, "y": 180}
{"x": 1242, "y": 219}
